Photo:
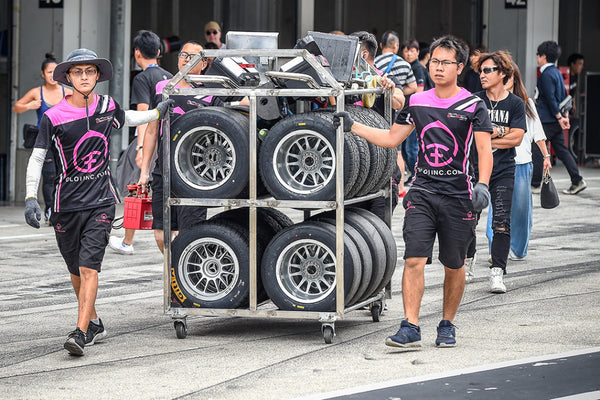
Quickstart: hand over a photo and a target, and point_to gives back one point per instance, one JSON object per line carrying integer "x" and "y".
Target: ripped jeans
{"x": 498, "y": 223}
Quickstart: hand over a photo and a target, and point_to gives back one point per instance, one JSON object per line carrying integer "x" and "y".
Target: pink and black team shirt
{"x": 445, "y": 135}
{"x": 83, "y": 178}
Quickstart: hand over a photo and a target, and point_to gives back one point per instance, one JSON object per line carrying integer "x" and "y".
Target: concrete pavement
{"x": 552, "y": 306}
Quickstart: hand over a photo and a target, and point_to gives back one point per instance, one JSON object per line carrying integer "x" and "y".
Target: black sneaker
{"x": 446, "y": 334}
{"x": 95, "y": 333}
{"x": 408, "y": 336}
{"x": 75, "y": 342}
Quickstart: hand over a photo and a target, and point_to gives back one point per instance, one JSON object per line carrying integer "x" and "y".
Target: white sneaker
{"x": 116, "y": 243}
{"x": 496, "y": 284}
{"x": 470, "y": 269}
{"x": 512, "y": 256}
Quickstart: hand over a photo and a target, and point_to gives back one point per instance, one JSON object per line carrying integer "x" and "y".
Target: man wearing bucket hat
{"x": 212, "y": 33}
{"x": 78, "y": 131}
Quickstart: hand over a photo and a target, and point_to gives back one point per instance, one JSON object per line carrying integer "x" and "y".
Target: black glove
{"x": 348, "y": 121}
{"x": 33, "y": 212}
{"x": 481, "y": 196}
{"x": 163, "y": 107}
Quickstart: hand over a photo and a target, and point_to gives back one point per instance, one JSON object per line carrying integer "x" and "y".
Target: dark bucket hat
{"x": 82, "y": 56}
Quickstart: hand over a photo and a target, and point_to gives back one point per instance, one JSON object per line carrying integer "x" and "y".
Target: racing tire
{"x": 299, "y": 268}
{"x": 209, "y": 153}
{"x": 297, "y": 159}
{"x": 210, "y": 266}
{"x": 389, "y": 243}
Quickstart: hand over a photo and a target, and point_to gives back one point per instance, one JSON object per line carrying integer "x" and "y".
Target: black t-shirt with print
{"x": 81, "y": 148}
{"x": 445, "y": 133}
{"x": 509, "y": 112}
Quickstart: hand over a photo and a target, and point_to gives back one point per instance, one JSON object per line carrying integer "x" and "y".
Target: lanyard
{"x": 152, "y": 65}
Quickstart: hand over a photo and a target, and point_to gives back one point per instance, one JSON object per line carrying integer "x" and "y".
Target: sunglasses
{"x": 211, "y": 33}
{"x": 489, "y": 70}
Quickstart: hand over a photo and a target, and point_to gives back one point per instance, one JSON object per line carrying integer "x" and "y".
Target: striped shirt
{"x": 401, "y": 69}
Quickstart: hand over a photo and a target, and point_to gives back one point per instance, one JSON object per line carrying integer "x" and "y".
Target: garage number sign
{"x": 50, "y": 3}
{"x": 515, "y": 3}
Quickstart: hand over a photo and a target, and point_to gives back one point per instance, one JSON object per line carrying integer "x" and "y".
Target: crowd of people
{"x": 468, "y": 135}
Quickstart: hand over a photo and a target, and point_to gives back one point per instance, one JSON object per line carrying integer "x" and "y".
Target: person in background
{"x": 394, "y": 65}
{"x": 410, "y": 52}
{"x": 471, "y": 80}
{"x": 183, "y": 217}
{"x": 521, "y": 214}
{"x": 575, "y": 63}
{"x": 78, "y": 131}
{"x": 443, "y": 199}
{"x": 550, "y": 92}
{"x": 146, "y": 50}
{"x": 212, "y": 33}
{"x": 209, "y": 60}
{"x": 368, "y": 49}
{"x": 507, "y": 113}
{"x": 41, "y": 99}
{"x": 424, "y": 56}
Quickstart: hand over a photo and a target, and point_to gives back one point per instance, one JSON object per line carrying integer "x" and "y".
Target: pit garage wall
{"x": 520, "y": 31}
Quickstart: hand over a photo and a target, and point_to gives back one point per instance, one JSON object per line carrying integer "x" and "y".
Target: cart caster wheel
{"x": 328, "y": 334}
{"x": 376, "y": 309}
{"x": 180, "y": 329}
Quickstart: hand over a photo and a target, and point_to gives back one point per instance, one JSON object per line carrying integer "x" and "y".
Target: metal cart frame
{"x": 327, "y": 319}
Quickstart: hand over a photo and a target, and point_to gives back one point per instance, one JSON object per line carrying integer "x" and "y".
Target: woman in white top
{"x": 521, "y": 219}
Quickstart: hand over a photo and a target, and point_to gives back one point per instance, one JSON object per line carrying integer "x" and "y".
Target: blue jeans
{"x": 410, "y": 149}
{"x": 521, "y": 213}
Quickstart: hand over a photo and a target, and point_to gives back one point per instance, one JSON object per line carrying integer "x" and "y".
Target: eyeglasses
{"x": 444, "y": 63}
{"x": 187, "y": 56}
{"x": 488, "y": 70}
{"x": 78, "y": 72}
{"x": 211, "y": 33}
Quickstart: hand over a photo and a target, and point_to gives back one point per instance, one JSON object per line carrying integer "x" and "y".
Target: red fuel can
{"x": 138, "y": 209}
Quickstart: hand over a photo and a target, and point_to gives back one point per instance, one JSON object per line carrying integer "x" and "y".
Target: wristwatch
{"x": 138, "y": 147}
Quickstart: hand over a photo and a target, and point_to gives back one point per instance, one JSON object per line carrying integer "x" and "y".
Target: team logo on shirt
{"x": 90, "y": 152}
{"x": 434, "y": 140}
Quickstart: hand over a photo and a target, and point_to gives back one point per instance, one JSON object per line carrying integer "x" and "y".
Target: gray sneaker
{"x": 574, "y": 189}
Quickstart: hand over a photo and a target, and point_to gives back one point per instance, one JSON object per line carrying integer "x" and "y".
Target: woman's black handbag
{"x": 30, "y": 133}
{"x": 548, "y": 195}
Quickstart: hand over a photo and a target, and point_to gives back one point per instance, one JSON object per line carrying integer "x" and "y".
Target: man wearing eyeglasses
{"x": 78, "y": 131}
{"x": 184, "y": 216}
{"x": 507, "y": 113}
{"x": 212, "y": 33}
{"x": 442, "y": 200}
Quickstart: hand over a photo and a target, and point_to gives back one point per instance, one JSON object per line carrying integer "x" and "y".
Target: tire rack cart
{"x": 327, "y": 319}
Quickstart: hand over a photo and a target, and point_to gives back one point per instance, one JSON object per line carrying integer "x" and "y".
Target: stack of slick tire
{"x": 297, "y": 159}
{"x": 210, "y": 262}
{"x": 298, "y": 267}
{"x": 297, "y": 262}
